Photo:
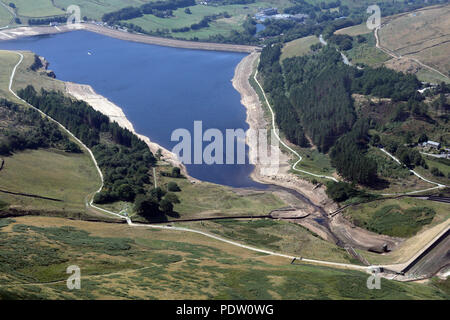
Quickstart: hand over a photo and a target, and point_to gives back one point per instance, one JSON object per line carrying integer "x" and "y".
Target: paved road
{"x": 432, "y": 262}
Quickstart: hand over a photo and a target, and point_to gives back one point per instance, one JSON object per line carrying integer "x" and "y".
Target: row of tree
{"x": 158, "y": 8}
{"x": 23, "y": 129}
{"x": 313, "y": 94}
{"x": 124, "y": 159}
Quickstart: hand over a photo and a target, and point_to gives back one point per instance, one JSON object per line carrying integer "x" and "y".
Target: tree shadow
{"x": 174, "y": 214}
{"x": 379, "y": 184}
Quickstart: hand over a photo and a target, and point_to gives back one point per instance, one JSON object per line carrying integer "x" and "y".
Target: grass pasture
{"x": 366, "y": 52}
{"x": 49, "y": 173}
{"x": 423, "y": 35}
{"x": 95, "y": 9}
{"x": 8, "y": 61}
{"x": 354, "y": 31}
{"x": 36, "y": 8}
{"x": 298, "y": 47}
{"x": 5, "y": 17}
{"x": 209, "y": 200}
{"x": 24, "y": 76}
{"x": 118, "y": 262}
{"x": 279, "y": 236}
{"x": 404, "y": 217}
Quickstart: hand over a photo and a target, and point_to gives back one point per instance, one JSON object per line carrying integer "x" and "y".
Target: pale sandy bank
{"x": 115, "y": 113}
{"x": 256, "y": 120}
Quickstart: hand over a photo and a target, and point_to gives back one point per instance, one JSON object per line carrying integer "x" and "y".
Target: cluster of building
{"x": 433, "y": 145}
{"x": 272, "y": 13}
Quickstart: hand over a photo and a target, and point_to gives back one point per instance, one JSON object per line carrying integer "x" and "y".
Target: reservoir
{"x": 160, "y": 89}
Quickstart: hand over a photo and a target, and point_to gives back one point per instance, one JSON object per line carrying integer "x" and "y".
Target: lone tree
{"x": 166, "y": 206}
{"x": 173, "y": 187}
{"x": 147, "y": 206}
{"x": 172, "y": 197}
{"x": 176, "y": 172}
{"x": 423, "y": 138}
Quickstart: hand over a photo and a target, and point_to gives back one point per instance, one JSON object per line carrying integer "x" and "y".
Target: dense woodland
{"x": 46, "y": 21}
{"x": 124, "y": 159}
{"x": 23, "y": 128}
{"x": 312, "y": 95}
{"x": 158, "y": 8}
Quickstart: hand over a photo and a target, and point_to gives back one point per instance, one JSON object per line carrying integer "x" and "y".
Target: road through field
{"x": 131, "y": 224}
{"x": 396, "y": 56}
{"x": 90, "y": 203}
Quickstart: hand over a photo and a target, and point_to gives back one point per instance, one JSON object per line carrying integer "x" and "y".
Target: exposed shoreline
{"x": 249, "y": 98}
{"x": 256, "y": 120}
{"x": 115, "y": 113}
{"x": 15, "y": 33}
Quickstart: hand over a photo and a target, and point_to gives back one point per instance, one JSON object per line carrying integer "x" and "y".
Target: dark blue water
{"x": 160, "y": 89}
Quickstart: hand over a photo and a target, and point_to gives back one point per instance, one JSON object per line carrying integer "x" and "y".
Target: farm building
{"x": 432, "y": 144}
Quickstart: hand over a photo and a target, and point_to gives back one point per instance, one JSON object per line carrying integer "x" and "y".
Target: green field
{"x": 5, "y": 17}
{"x": 36, "y": 8}
{"x": 24, "y": 76}
{"x": 95, "y": 9}
{"x": 298, "y": 47}
{"x": 353, "y": 31}
{"x": 221, "y": 26}
{"x": 441, "y": 164}
{"x": 278, "y": 236}
{"x": 49, "y": 173}
{"x": 119, "y": 263}
{"x": 430, "y": 76}
{"x": 367, "y": 53}
{"x": 398, "y": 217}
{"x": 8, "y": 61}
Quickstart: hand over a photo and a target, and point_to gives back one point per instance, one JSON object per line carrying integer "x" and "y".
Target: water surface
{"x": 160, "y": 89}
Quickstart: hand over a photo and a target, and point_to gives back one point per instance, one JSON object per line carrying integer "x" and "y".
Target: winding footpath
{"x": 11, "y": 11}
{"x": 392, "y": 54}
{"x": 438, "y": 185}
{"x": 300, "y": 158}
{"x": 397, "y": 56}
{"x": 90, "y": 203}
